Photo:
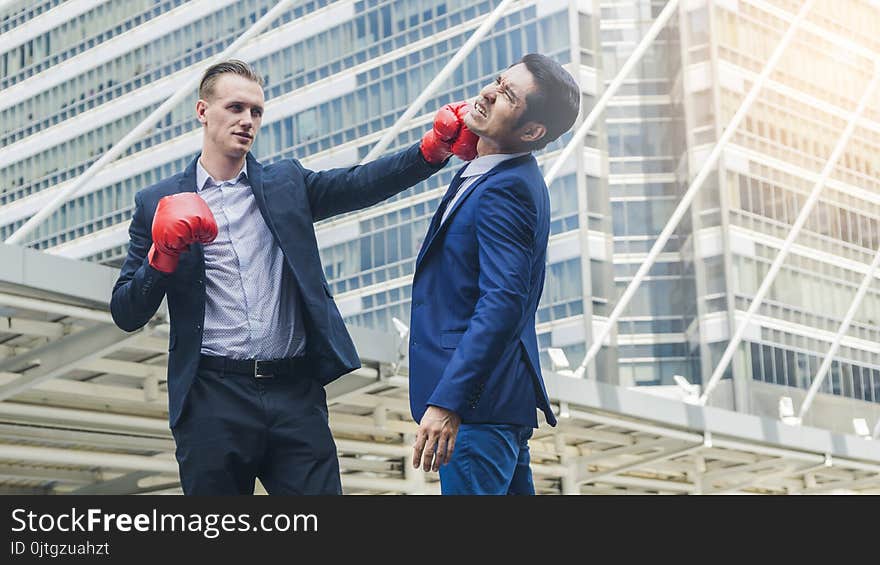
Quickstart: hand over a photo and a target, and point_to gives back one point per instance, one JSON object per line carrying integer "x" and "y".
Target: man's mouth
{"x": 243, "y": 135}
{"x": 480, "y": 109}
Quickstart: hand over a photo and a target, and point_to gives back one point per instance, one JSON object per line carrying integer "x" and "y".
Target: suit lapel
{"x": 438, "y": 214}
{"x": 188, "y": 184}
{"x": 460, "y": 202}
{"x": 434, "y": 235}
{"x": 188, "y": 179}
{"x": 288, "y": 233}
{"x": 255, "y": 178}
{"x": 263, "y": 192}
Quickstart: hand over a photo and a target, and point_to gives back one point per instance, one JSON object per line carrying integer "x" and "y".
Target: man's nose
{"x": 489, "y": 92}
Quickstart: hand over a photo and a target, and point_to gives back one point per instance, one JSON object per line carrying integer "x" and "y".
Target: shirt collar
{"x": 484, "y": 164}
{"x": 202, "y": 176}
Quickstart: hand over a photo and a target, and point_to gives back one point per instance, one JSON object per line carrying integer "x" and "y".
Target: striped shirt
{"x": 252, "y": 309}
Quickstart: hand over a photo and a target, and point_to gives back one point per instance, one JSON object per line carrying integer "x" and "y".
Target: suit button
{"x": 198, "y": 326}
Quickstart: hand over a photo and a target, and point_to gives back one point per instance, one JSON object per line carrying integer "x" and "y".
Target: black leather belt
{"x": 252, "y": 367}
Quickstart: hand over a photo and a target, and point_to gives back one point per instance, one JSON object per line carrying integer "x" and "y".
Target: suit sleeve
{"x": 336, "y": 191}
{"x": 140, "y": 288}
{"x": 506, "y": 224}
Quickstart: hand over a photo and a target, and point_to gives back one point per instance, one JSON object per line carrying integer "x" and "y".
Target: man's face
{"x": 232, "y": 116}
{"x": 498, "y": 108}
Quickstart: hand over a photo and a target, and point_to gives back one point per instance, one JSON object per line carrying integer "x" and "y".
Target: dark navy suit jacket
{"x": 290, "y": 198}
{"x": 476, "y": 287}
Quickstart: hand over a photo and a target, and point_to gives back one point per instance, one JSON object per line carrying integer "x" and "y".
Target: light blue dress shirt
{"x": 252, "y": 309}
{"x": 473, "y": 171}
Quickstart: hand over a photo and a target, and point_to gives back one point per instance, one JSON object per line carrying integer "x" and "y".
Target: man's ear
{"x": 201, "y": 108}
{"x": 532, "y": 132}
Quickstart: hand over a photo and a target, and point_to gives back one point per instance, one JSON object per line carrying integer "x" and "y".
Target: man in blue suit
{"x": 475, "y": 378}
{"x": 255, "y": 334}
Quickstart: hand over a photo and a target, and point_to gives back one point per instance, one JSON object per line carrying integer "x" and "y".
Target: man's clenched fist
{"x": 449, "y": 135}
{"x": 180, "y": 219}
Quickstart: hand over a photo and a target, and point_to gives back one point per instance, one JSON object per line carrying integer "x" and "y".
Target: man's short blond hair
{"x": 231, "y": 66}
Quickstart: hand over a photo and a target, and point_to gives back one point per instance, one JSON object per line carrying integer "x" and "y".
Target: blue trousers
{"x": 235, "y": 428}
{"x": 489, "y": 459}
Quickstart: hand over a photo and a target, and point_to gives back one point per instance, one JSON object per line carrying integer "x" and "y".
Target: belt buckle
{"x": 257, "y": 374}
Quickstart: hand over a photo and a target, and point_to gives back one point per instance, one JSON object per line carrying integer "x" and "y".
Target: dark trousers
{"x": 235, "y": 428}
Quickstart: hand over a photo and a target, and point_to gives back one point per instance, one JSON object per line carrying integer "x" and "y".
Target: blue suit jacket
{"x": 476, "y": 287}
{"x": 290, "y": 199}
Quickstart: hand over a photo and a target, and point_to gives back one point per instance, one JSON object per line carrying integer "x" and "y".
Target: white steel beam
{"x": 388, "y": 450}
{"x": 438, "y": 81}
{"x": 83, "y": 419}
{"x": 16, "y": 472}
{"x": 363, "y": 482}
{"x": 605, "y": 454}
{"x": 740, "y": 469}
{"x": 186, "y": 87}
{"x": 776, "y": 266}
{"x": 90, "y": 396}
{"x": 150, "y": 344}
{"x": 737, "y": 445}
{"x": 359, "y": 464}
{"x": 634, "y": 58}
{"x": 24, "y": 326}
{"x": 651, "y": 484}
{"x": 125, "y": 368}
{"x": 863, "y": 482}
{"x": 60, "y": 356}
{"x": 129, "y": 483}
{"x": 573, "y": 431}
{"x": 163, "y": 463}
{"x": 637, "y": 426}
{"x": 57, "y": 436}
{"x": 398, "y": 405}
{"x": 838, "y": 337}
{"x": 789, "y": 470}
{"x": 69, "y": 310}
{"x": 724, "y": 455}
{"x": 692, "y": 191}
{"x": 663, "y": 455}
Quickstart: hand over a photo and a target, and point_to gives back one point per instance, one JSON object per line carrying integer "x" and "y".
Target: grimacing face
{"x": 498, "y": 109}
{"x": 232, "y": 116}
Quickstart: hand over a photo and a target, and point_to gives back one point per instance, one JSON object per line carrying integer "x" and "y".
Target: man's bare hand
{"x": 435, "y": 439}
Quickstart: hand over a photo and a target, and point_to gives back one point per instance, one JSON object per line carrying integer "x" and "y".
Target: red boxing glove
{"x": 436, "y": 144}
{"x": 446, "y": 138}
{"x": 180, "y": 219}
{"x": 465, "y": 145}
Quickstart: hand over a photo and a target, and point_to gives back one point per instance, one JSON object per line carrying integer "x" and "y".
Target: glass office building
{"x": 75, "y": 77}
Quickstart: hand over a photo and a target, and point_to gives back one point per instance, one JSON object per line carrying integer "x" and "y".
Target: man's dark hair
{"x": 556, "y": 99}
{"x": 232, "y": 66}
